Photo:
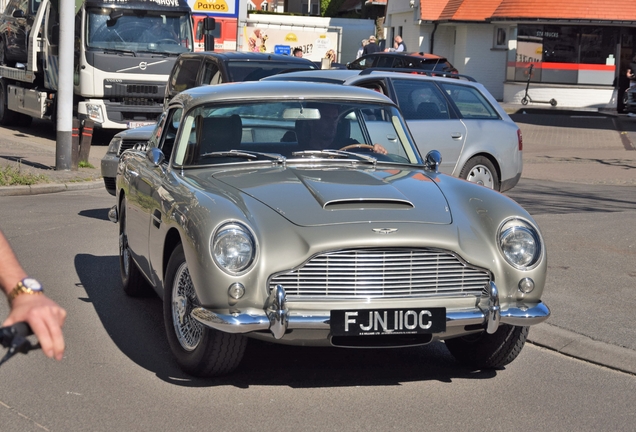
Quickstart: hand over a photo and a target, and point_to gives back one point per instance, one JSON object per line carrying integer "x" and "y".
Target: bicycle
{"x": 14, "y": 338}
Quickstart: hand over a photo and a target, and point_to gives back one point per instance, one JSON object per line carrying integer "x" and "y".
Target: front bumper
{"x": 277, "y": 318}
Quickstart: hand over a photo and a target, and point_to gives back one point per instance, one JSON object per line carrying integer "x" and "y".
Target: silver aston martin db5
{"x": 302, "y": 213}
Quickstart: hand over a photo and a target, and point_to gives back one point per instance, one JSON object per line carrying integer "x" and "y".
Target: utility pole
{"x": 63, "y": 144}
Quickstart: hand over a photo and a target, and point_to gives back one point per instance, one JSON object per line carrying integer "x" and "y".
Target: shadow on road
{"x": 136, "y": 326}
{"x": 541, "y": 197}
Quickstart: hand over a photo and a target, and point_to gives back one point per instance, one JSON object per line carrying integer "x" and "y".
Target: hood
{"x": 336, "y": 195}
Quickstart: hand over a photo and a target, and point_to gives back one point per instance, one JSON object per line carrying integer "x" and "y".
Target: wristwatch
{"x": 25, "y": 286}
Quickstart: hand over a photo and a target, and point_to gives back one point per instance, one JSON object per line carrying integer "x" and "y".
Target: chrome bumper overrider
{"x": 278, "y": 319}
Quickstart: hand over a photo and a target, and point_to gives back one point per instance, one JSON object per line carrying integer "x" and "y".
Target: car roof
{"x": 275, "y": 90}
{"x": 422, "y": 55}
{"x": 247, "y": 56}
{"x": 351, "y": 76}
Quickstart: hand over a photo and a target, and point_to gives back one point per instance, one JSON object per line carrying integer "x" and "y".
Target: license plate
{"x": 136, "y": 124}
{"x": 376, "y": 322}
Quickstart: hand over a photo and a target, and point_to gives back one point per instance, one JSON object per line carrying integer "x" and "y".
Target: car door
{"x": 160, "y": 201}
{"x": 432, "y": 120}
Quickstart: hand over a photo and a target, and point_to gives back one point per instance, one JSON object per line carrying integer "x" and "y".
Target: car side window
{"x": 362, "y": 63}
{"x": 185, "y": 76}
{"x": 211, "y": 73}
{"x": 170, "y": 128}
{"x": 384, "y": 62}
{"x": 470, "y": 102}
{"x": 421, "y": 100}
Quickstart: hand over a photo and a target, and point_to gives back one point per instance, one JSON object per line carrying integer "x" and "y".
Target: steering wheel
{"x": 357, "y": 146}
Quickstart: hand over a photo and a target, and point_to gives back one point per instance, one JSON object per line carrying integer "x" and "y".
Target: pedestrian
{"x": 398, "y": 45}
{"x": 371, "y": 47}
{"x": 29, "y": 304}
{"x": 298, "y": 52}
{"x": 361, "y": 49}
{"x": 631, "y": 72}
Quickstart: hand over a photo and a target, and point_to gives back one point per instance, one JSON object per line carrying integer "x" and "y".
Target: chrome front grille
{"x": 382, "y": 273}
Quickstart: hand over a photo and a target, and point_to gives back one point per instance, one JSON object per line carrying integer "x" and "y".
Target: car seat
{"x": 218, "y": 133}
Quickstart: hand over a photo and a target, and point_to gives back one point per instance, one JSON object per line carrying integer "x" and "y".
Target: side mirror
{"x": 155, "y": 156}
{"x": 433, "y": 160}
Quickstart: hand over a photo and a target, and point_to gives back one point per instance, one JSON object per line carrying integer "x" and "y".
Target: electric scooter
{"x": 527, "y": 97}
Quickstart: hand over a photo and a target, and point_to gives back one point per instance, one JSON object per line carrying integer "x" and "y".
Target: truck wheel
{"x": 480, "y": 170}
{"x": 489, "y": 351}
{"x": 199, "y": 350}
{"x": 7, "y": 117}
{"x": 133, "y": 281}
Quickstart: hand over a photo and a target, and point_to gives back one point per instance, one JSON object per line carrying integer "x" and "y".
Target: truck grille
{"x": 382, "y": 273}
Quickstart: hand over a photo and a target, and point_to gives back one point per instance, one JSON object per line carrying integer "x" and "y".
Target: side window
{"x": 155, "y": 138}
{"x": 362, "y": 63}
{"x": 421, "y": 100}
{"x": 185, "y": 75}
{"x": 169, "y": 132}
{"x": 384, "y": 62}
{"x": 470, "y": 102}
{"x": 211, "y": 73}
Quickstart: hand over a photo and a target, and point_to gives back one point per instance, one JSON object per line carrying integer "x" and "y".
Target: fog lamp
{"x": 526, "y": 285}
{"x": 236, "y": 291}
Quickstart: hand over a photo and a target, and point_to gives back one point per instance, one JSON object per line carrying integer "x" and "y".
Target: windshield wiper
{"x": 246, "y": 155}
{"x": 332, "y": 153}
{"x": 119, "y": 51}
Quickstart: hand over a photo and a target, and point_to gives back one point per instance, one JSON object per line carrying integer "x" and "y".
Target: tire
{"x": 553, "y": 102}
{"x": 480, "y": 170}
{"x": 524, "y": 101}
{"x": 7, "y": 117}
{"x": 489, "y": 351}
{"x": 132, "y": 280}
{"x": 199, "y": 350}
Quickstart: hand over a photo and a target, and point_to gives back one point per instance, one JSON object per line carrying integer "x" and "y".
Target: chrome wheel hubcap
{"x": 481, "y": 175}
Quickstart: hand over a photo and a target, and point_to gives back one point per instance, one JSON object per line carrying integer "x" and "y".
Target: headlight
{"x": 114, "y": 145}
{"x": 94, "y": 112}
{"x": 233, "y": 248}
{"x": 520, "y": 244}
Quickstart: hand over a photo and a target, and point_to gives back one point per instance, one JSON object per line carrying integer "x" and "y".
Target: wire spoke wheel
{"x": 189, "y": 332}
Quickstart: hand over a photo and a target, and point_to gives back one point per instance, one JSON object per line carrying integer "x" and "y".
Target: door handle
{"x": 456, "y": 135}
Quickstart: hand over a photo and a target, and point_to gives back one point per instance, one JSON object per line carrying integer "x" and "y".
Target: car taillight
{"x": 520, "y": 139}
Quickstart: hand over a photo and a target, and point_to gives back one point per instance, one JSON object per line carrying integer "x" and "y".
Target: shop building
{"x": 580, "y": 50}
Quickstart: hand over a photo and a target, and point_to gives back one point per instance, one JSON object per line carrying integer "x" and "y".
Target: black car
{"x": 393, "y": 60}
{"x": 209, "y": 67}
{"x": 15, "y": 24}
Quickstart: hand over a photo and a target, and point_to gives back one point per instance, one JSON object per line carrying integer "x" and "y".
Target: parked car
{"x": 193, "y": 70}
{"x": 478, "y": 141}
{"x": 210, "y": 67}
{"x": 15, "y": 23}
{"x": 401, "y": 60}
{"x": 246, "y": 228}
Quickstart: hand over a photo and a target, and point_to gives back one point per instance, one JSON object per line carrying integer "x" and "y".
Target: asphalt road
{"x": 118, "y": 373}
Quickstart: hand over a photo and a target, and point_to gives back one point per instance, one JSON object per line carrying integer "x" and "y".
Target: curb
{"x": 45, "y": 188}
{"x": 582, "y": 347}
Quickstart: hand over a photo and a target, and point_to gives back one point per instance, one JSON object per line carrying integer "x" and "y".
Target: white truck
{"x": 124, "y": 52}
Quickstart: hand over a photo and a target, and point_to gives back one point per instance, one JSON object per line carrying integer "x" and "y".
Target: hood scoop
{"x": 368, "y": 204}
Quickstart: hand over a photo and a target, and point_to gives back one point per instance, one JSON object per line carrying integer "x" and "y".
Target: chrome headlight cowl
{"x": 233, "y": 248}
{"x": 520, "y": 244}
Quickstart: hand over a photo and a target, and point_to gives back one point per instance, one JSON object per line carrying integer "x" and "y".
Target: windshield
{"x": 209, "y": 134}
{"x": 139, "y": 31}
{"x": 240, "y": 71}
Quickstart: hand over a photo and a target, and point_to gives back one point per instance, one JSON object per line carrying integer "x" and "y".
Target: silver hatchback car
{"x": 478, "y": 141}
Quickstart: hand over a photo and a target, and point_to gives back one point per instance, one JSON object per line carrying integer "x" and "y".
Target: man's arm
{"x": 45, "y": 317}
